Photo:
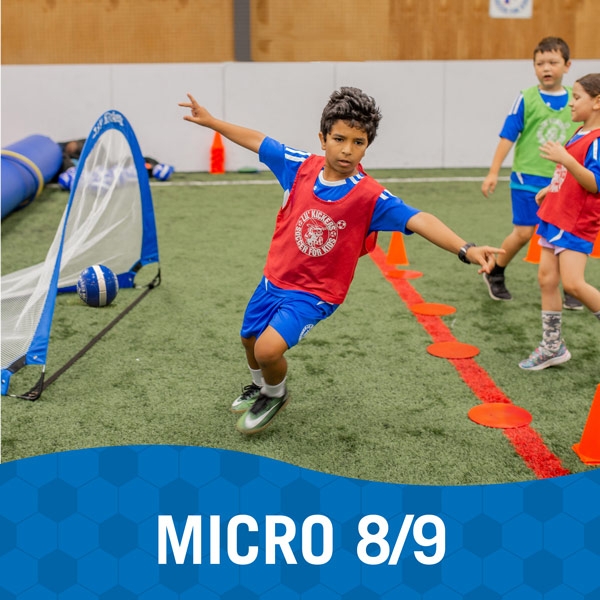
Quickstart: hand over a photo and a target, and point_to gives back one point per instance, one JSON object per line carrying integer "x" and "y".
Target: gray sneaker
{"x": 261, "y": 414}
{"x": 541, "y": 358}
{"x": 246, "y": 400}
{"x": 496, "y": 287}
{"x": 571, "y": 303}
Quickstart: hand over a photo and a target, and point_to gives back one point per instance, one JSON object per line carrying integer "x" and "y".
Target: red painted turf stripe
{"x": 525, "y": 440}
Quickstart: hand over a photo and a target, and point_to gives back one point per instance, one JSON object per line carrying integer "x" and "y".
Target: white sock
{"x": 597, "y": 315}
{"x": 274, "y": 391}
{"x": 256, "y": 376}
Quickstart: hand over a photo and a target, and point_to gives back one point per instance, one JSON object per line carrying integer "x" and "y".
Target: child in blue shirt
{"x": 539, "y": 114}
{"x": 330, "y": 213}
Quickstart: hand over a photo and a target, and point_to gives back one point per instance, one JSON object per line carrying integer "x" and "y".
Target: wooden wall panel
{"x": 321, "y": 31}
{"x": 165, "y": 31}
{"x": 356, "y": 30}
{"x": 587, "y": 25}
{"x": 116, "y": 31}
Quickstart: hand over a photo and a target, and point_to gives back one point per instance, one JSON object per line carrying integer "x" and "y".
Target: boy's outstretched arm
{"x": 247, "y": 138}
{"x": 432, "y": 229}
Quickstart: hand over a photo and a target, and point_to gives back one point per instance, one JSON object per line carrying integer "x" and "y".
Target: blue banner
{"x": 170, "y": 522}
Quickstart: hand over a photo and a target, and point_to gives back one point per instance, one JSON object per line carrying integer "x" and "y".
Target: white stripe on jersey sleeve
{"x": 295, "y": 155}
{"x": 515, "y": 107}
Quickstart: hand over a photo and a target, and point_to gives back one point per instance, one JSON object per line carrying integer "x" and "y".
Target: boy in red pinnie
{"x": 331, "y": 213}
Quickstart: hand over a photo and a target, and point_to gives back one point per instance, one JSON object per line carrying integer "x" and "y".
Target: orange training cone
{"x": 596, "y": 250}
{"x": 588, "y": 449}
{"x": 217, "y": 155}
{"x": 534, "y": 251}
{"x": 396, "y": 254}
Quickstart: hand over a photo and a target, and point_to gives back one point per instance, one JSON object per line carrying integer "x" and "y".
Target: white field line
{"x": 275, "y": 182}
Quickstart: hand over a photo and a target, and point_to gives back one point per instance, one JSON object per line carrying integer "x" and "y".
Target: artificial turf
{"x": 367, "y": 400}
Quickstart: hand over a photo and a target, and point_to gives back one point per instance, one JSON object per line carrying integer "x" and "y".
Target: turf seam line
{"x": 526, "y": 441}
{"x": 275, "y": 182}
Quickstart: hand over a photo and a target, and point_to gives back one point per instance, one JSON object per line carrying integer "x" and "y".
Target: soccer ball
{"x": 97, "y": 285}
{"x": 162, "y": 172}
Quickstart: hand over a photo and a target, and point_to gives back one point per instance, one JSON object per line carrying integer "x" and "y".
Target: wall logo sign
{"x": 511, "y": 9}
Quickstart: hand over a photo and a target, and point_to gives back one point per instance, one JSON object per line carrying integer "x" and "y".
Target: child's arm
{"x": 489, "y": 183}
{"x": 432, "y": 229}
{"x": 539, "y": 197}
{"x": 247, "y": 138}
{"x": 558, "y": 153}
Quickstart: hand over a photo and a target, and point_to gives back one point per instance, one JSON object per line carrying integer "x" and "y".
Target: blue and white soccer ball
{"x": 162, "y": 172}
{"x": 97, "y": 285}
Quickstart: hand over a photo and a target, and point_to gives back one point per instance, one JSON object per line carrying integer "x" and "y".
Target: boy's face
{"x": 344, "y": 148}
{"x": 550, "y": 67}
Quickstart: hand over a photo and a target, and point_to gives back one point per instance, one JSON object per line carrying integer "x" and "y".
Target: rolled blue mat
{"x": 26, "y": 166}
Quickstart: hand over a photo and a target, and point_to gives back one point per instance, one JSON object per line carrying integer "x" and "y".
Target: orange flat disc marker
{"x": 432, "y": 308}
{"x": 452, "y": 350}
{"x": 404, "y": 274}
{"x": 500, "y": 414}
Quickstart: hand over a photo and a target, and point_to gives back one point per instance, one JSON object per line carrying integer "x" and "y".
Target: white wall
{"x": 435, "y": 113}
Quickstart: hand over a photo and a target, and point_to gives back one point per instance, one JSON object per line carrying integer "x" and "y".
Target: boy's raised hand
{"x": 242, "y": 136}
{"x": 199, "y": 114}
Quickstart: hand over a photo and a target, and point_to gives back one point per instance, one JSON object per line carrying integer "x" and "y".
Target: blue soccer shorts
{"x": 559, "y": 239}
{"x": 291, "y": 313}
{"x": 524, "y": 207}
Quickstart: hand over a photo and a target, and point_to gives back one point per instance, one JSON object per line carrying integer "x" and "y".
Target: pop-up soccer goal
{"x": 109, "y": 220}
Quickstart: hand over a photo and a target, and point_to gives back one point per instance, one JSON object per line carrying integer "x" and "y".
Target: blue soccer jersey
{"x": 390, "y": 214}
{"x": 294, "y": 313}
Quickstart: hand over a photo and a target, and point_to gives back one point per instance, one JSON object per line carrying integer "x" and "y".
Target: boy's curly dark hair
{"x": 354, "y": 107}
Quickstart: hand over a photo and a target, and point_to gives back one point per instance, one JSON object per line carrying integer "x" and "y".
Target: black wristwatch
{"x": 462, "y": 253}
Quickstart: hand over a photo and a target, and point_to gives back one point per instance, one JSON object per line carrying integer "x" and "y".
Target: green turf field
{"x": 368, "y": 401}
